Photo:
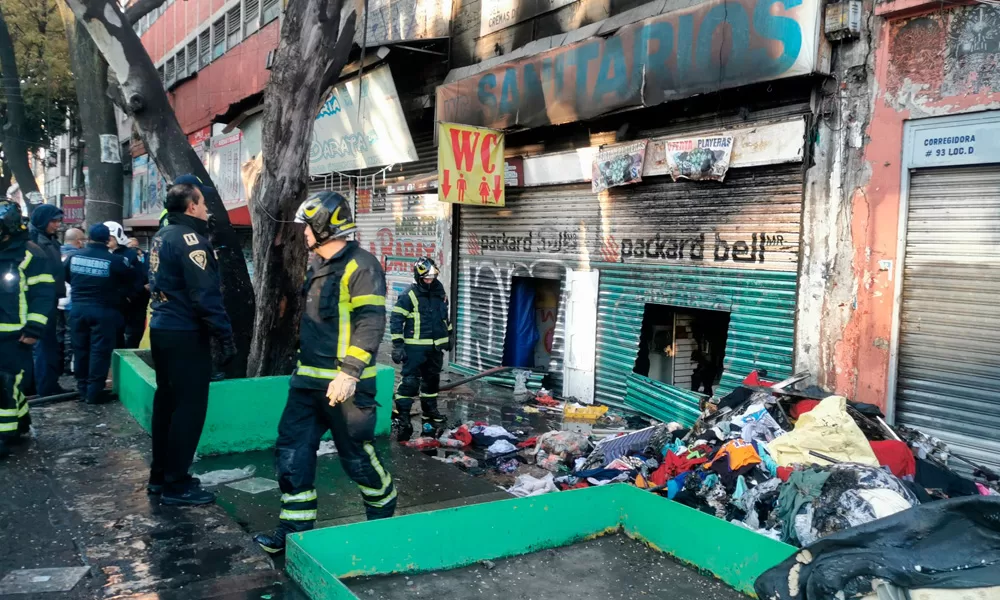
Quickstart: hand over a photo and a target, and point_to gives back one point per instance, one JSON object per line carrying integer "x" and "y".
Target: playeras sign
{"x": 714, "y": 45}
{"x": 470, "y": 165}
{"x": 343, "y": 140}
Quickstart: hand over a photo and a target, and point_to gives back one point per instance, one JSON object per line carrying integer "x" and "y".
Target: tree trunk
{"x": 5, "y": 174}
{"x": 12, "y": 132}
{"x": 106, "y": 190}
{"x": 312, "y": 52}
{"x": 146, "y": 101}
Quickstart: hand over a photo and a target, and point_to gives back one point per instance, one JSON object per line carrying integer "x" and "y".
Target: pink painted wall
{"x": 929, "y": 62}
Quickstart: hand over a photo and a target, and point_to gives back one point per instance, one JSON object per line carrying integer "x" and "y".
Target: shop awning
{"x": 239, "y": 214}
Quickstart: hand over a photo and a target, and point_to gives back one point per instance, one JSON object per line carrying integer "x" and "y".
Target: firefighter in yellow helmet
{"x": 333, "y": 386}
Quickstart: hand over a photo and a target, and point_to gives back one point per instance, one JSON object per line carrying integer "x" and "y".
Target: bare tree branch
{"x": 140, "y": 9}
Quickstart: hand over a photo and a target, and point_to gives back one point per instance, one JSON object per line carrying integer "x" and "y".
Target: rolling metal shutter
{"x": 526, "y": 238}
{"x": 948, "y": 369}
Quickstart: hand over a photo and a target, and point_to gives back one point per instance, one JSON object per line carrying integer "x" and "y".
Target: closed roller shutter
{"x": 540, "y": 233}
{"x": 948, "y": 370}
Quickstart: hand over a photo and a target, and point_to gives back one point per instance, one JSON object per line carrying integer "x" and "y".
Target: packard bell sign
{"x": 712, "y": 46}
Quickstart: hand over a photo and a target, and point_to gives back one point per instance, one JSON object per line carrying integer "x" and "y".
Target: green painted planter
{"x": 242, "y": 414}
{"x": 319, "y": 559}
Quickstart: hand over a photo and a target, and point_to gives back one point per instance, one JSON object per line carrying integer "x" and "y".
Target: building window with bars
{"x": 192, "y": 57}
{"x": 170, "y": 71}
{"x": 218, "y": 38}
{"x": 205, "y": 47}
{"x": 251, "y": 15}
{"x": 235, "y": 26}
{"x": 159, "y": 71}
{"x": 269, "y": 11}
{"x": 181, "y": 62}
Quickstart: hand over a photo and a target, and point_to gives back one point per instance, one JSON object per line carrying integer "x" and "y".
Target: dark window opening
{"x": 531, "y": 322}
{"x": 683, "y": 347}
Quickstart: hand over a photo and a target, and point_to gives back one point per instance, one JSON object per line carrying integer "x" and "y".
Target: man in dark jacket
{"x": 135, "y": 295}
{"x": 96, "y": 275}
{"x": 45, "y": 223}
{"x": 187, "y": 314}
{"x": 333, "y": 386}
{"x": 420, "y": 332}
{"x": 27, "y": 288}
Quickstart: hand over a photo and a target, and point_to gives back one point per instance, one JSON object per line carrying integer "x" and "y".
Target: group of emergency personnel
{"x": 331, "y": 390}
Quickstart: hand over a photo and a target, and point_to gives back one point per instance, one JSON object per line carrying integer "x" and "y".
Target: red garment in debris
{"x": 672, "y": 466}
{"x": 463, "y": 435}
{"x": 802, "y": 407}
{"x": 897, "y": 456}
{"x": 529, "y": 443}
{"x": 784, "y": 473}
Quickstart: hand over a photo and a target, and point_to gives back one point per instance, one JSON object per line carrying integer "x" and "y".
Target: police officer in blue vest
{"x": 188, "y": 314}
{"x": 97, "y": 277}
{"x": 27, "y": 289}
{"x": 333, "y": 386}
{"x": 421, "y": 331}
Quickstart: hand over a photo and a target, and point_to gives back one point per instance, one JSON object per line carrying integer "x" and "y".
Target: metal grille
{"x": 269, "y": 11}
{"x": 532, "y": 236}
{"x": 234, "y": 27}
{"x": 731, "y": 247}
{"x": 170, "y": 72}
{"x": 251, "y": 12}
{"x": 205, "y": 46}
{"x": 192, "y": 56}
{"x": 218, "y": 38}
{"x": 948, "y": 380}
{"x": 181, "y": 61}
{"x": 398, "y": 229}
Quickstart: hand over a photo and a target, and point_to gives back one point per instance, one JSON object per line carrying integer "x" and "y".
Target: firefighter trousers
{"x": 306, "y": 418}
{"x": 421, "y": 373}
{"x": 15, "y": 372}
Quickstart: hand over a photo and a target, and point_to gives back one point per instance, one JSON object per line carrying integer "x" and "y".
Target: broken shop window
{"x": 683, "y": 347}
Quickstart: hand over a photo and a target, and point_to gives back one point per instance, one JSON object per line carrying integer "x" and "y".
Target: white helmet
{"x": 117, "y": 232}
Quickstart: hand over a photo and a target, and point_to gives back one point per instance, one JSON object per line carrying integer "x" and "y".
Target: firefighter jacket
{"x": 184, "y": 280}
{"x": 420, "y": 316}
{"x": 97, "y": 276}
{"x": 344, "y": 318}
{"x": 27, "y": 288}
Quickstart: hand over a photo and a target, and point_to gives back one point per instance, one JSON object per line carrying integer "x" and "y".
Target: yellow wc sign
{"x": 470, "y": 165}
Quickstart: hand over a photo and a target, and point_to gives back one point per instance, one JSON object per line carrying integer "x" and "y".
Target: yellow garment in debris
{"x": 827, "y": 429}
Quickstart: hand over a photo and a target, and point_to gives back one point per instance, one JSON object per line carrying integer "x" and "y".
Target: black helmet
{"x": 424, "y": 267}
{"x": 10, "y": 218}
{"x": 328, "y": 214}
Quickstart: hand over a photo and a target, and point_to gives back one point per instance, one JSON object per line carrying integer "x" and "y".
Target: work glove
{"x": 341, "y": 388}
{"x": 399, "y": 354}
{"x": 446, "y": 347}
{"x": 227, "y": 352}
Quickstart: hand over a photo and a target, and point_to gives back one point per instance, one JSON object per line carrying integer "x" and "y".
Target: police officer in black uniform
{"x": 420, "y": 332}
{"x": 97, "y": 277}
{"x": 188, "y": 313}
{"x": 27, "y": 289}
{"x": 135, "y": 296}
{"x": 333, "y": 387}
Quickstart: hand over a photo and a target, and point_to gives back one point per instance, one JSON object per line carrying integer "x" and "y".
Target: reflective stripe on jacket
{"x": 344, "y": 318}
{"x": 420, "y": 317}
{"x": 27, "y": 288}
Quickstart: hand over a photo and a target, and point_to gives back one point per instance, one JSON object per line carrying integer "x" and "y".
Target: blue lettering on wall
{"x": 710, "y": 46}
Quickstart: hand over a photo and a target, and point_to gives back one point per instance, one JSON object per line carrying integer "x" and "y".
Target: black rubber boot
{"x": 403, "y": 426}
{"x": 191, "y": 495}
{"x": 272, "y": 543}
{"x": 4, "y": 449}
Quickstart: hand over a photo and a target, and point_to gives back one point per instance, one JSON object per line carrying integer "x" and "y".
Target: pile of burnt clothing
{"x": 799, "y": 469}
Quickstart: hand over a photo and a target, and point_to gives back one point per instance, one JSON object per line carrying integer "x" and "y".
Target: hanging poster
{"x": 618, "y": 164}
{"x": 699, "y": 159}
{"x": 470, "y": 165}
{"x": 225, "y": 168}
{"x": 110, "y": 152}
{"x": 344, "y": 140}
{"x": 73, "y": 207}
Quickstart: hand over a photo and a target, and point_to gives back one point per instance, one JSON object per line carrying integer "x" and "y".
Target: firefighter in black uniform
{"x": 27, "y": 289}
{"x": 187, "y": 314}
{"x": 420, "y": 333}
{"x": 333, "y": 386}
{"x": 97, "y": 277}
